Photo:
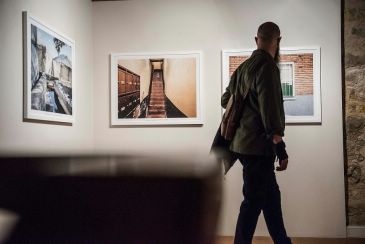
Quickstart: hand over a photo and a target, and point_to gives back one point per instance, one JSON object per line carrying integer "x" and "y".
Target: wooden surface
{"x": 297, "y": 240}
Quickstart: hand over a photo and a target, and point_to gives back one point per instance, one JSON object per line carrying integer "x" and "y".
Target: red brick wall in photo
{"x": 303, "y": 70}
{"x": 234, "y": 62}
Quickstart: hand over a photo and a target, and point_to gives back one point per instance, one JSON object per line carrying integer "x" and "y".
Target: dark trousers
{"x": 261, "y": 193}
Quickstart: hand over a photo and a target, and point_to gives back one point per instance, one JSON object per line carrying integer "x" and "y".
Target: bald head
{"x": 268, "y": 31}
{"x": 268, "y": 38}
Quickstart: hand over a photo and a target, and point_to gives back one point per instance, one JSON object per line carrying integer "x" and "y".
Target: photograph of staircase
{"x": 156, "y": 106}
{"x": 156, "y": 89}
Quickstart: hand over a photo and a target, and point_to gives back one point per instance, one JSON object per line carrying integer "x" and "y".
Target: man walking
{"x": 258, "y": 138}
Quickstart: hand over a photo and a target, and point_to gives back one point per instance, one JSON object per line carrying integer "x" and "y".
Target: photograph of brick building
{"x": 296, "y": 72}
{"x": 299, "y": 81}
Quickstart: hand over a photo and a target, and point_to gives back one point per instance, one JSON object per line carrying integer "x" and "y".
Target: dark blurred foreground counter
{"x": 111, "y": 199}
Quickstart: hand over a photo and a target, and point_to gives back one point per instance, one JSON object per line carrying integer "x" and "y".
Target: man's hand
{"x": 276, "y": 139}
{"x": 282, "y": 156}
{"x": 283, "y": 164}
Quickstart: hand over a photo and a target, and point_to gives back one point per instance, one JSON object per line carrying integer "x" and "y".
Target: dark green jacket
{"x": 263, "y": 112}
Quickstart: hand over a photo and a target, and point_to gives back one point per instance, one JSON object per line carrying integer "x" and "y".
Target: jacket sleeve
{"x": 227, "y": 94}
{"x": 225, "y": 97}
{"x": 270, "y": 99}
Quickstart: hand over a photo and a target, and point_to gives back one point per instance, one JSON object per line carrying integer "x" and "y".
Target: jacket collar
{"x": 262, "y": 52}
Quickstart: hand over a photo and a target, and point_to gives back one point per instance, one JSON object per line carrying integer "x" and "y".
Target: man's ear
{"x": 256, "y": 39}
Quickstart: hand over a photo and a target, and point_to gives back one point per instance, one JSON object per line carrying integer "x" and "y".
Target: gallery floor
{"x": 267, "y": 240}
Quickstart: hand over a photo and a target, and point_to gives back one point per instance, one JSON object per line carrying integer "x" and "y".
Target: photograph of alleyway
{"x": 51, "y": 73}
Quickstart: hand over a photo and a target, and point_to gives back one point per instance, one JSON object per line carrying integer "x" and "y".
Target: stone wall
{"x": 354, "y": 50}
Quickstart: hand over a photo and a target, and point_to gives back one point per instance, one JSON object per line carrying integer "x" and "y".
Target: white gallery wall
{"x": 313, "y": 196}
{"x": 74, "y": 20}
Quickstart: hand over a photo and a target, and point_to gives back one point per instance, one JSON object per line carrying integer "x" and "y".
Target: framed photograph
{"x": 155, "y": 88}
{"x": 300, "y": 80}
{"x": 49, "y": 62}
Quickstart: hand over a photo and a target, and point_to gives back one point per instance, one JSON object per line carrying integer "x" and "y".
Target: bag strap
{"x": 235, "y": 105}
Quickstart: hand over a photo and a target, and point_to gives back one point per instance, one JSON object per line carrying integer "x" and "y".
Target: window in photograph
{"x": 287, "y": 79}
